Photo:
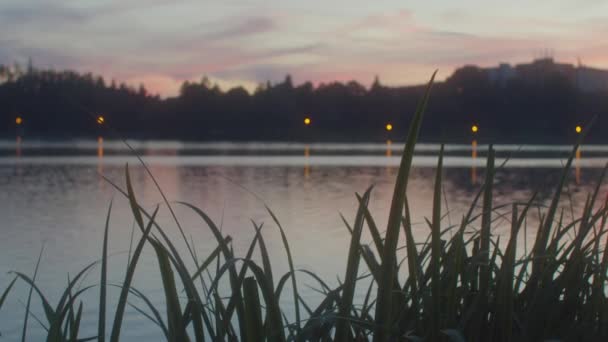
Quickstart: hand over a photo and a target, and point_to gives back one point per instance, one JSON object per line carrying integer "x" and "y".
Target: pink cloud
{"x": 249, "y": 45}
{"x": 157, "y": 84}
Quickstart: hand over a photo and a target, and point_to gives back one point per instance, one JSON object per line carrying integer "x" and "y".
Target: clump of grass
{"x": 469, "y": 286}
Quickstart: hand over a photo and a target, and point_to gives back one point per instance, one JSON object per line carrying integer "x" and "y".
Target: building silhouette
{"x": 541, "y": 71}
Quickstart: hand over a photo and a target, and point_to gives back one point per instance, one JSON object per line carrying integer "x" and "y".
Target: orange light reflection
{"x": 577, "y": 166}
{"x": 473, "y": 160}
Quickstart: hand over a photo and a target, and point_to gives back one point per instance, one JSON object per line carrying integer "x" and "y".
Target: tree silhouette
{"x": 64, "y": 104}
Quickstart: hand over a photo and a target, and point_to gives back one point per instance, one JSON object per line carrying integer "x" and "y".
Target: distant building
{"x": 584, "y": 78}
{"x": 591, "y": 79}
{"x": 501, "y": 74}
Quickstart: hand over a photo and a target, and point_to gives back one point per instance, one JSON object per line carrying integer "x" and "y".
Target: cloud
{"x": 164, "y": 43}
{"x": 250, "y": 26}
{"x": 13, "y": 50}
{"x": 39, "y": 14}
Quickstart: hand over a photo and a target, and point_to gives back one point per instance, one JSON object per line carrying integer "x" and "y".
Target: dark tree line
{"x": 64, "y": 104}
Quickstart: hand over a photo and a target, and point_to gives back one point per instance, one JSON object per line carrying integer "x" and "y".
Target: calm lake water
{"x": 53, "y": 196}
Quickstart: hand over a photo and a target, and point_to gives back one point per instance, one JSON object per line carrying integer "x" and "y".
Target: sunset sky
{"x": 162, "y": 43}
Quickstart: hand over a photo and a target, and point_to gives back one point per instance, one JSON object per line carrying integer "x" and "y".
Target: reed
{"x": 465, "y": 287}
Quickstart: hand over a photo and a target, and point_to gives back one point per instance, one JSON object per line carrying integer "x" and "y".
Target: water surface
{"x": 53, "y": 195}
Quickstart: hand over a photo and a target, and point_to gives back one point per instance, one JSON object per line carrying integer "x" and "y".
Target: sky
{"x": 163, "y": 43}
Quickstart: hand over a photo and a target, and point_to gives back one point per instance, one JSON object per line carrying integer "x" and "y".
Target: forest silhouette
{"x": 65, "y": 104}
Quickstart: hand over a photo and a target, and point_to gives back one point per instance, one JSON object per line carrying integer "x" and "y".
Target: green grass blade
{"x": 71, "y": 317}
{"x": 486, "y": 221}
{"x": 389, "y": 262}
{"x": 164, "y": 197}
{"x": 291, "y": 269}
{"x": 198, "y": 316}
{"x": 6, "y": 291}
{"x": 87, "y": 339}
{"x": 174, "y": 312}
{"x": 372, "y": 264}
{"x": 210, "y": 258}
{"x": 253, "y": 312}
{"x": 373, "y": 229}
{"x": 228, "y": 256}
{"x": 55, "y": 324}
{"x": 101, "y": 326}
{"x": 352, "y": 270}
{"x": 71, "y": 284}
{"x": 156, "y": 318}
{"x": 177, "y": 261}
{"x": 265, "y": 260}
{"x": 76, "y": 325}
{"x": 239, "y": 282}
{"x": 29, "y": 296}
{"x": 600, "y": 279}
{"x": 48, "y": 309}
{"x": 54, "y": 333}
{"x": 147, "y": 315}
{"x": 544, "y": 233}
{"x": 133, "y": 202}
{"x": 274, "y": 322}
{"x": 122, "y": 300}
{"x": 287, "y": 276}
{"x": 414, "y": 265}
{"x": 436, "y": 252}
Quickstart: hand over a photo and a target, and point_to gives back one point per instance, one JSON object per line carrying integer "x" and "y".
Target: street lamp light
{"x": 474, "y": 128}
{"x": 101, "y": 120}
{"x": 389, "y": 127}
{"x": 578, "y": 129}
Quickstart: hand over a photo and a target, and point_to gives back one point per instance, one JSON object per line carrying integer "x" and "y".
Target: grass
{"x": 469, "y": 286}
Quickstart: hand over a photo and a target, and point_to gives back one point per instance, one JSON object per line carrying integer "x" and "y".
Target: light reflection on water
{"x": 61, "y": 201}
{"x": 473, "y": 161}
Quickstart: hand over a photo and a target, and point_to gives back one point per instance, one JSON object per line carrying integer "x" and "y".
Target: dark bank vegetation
{"x": 462, "y": 283}
{"x": 63, "y": 104}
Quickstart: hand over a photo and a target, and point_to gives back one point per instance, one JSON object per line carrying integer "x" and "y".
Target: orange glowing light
{"x": 101, "y": 120}
{"x": 474, "y": 128}
{"x": 307, "y": 121}
{"x": 578, "y": 129}
{"x": 389, "y": 127}
{"x": 18, "y": 120}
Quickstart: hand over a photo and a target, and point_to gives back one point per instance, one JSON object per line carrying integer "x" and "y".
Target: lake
{"x": 53, "y": 195}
